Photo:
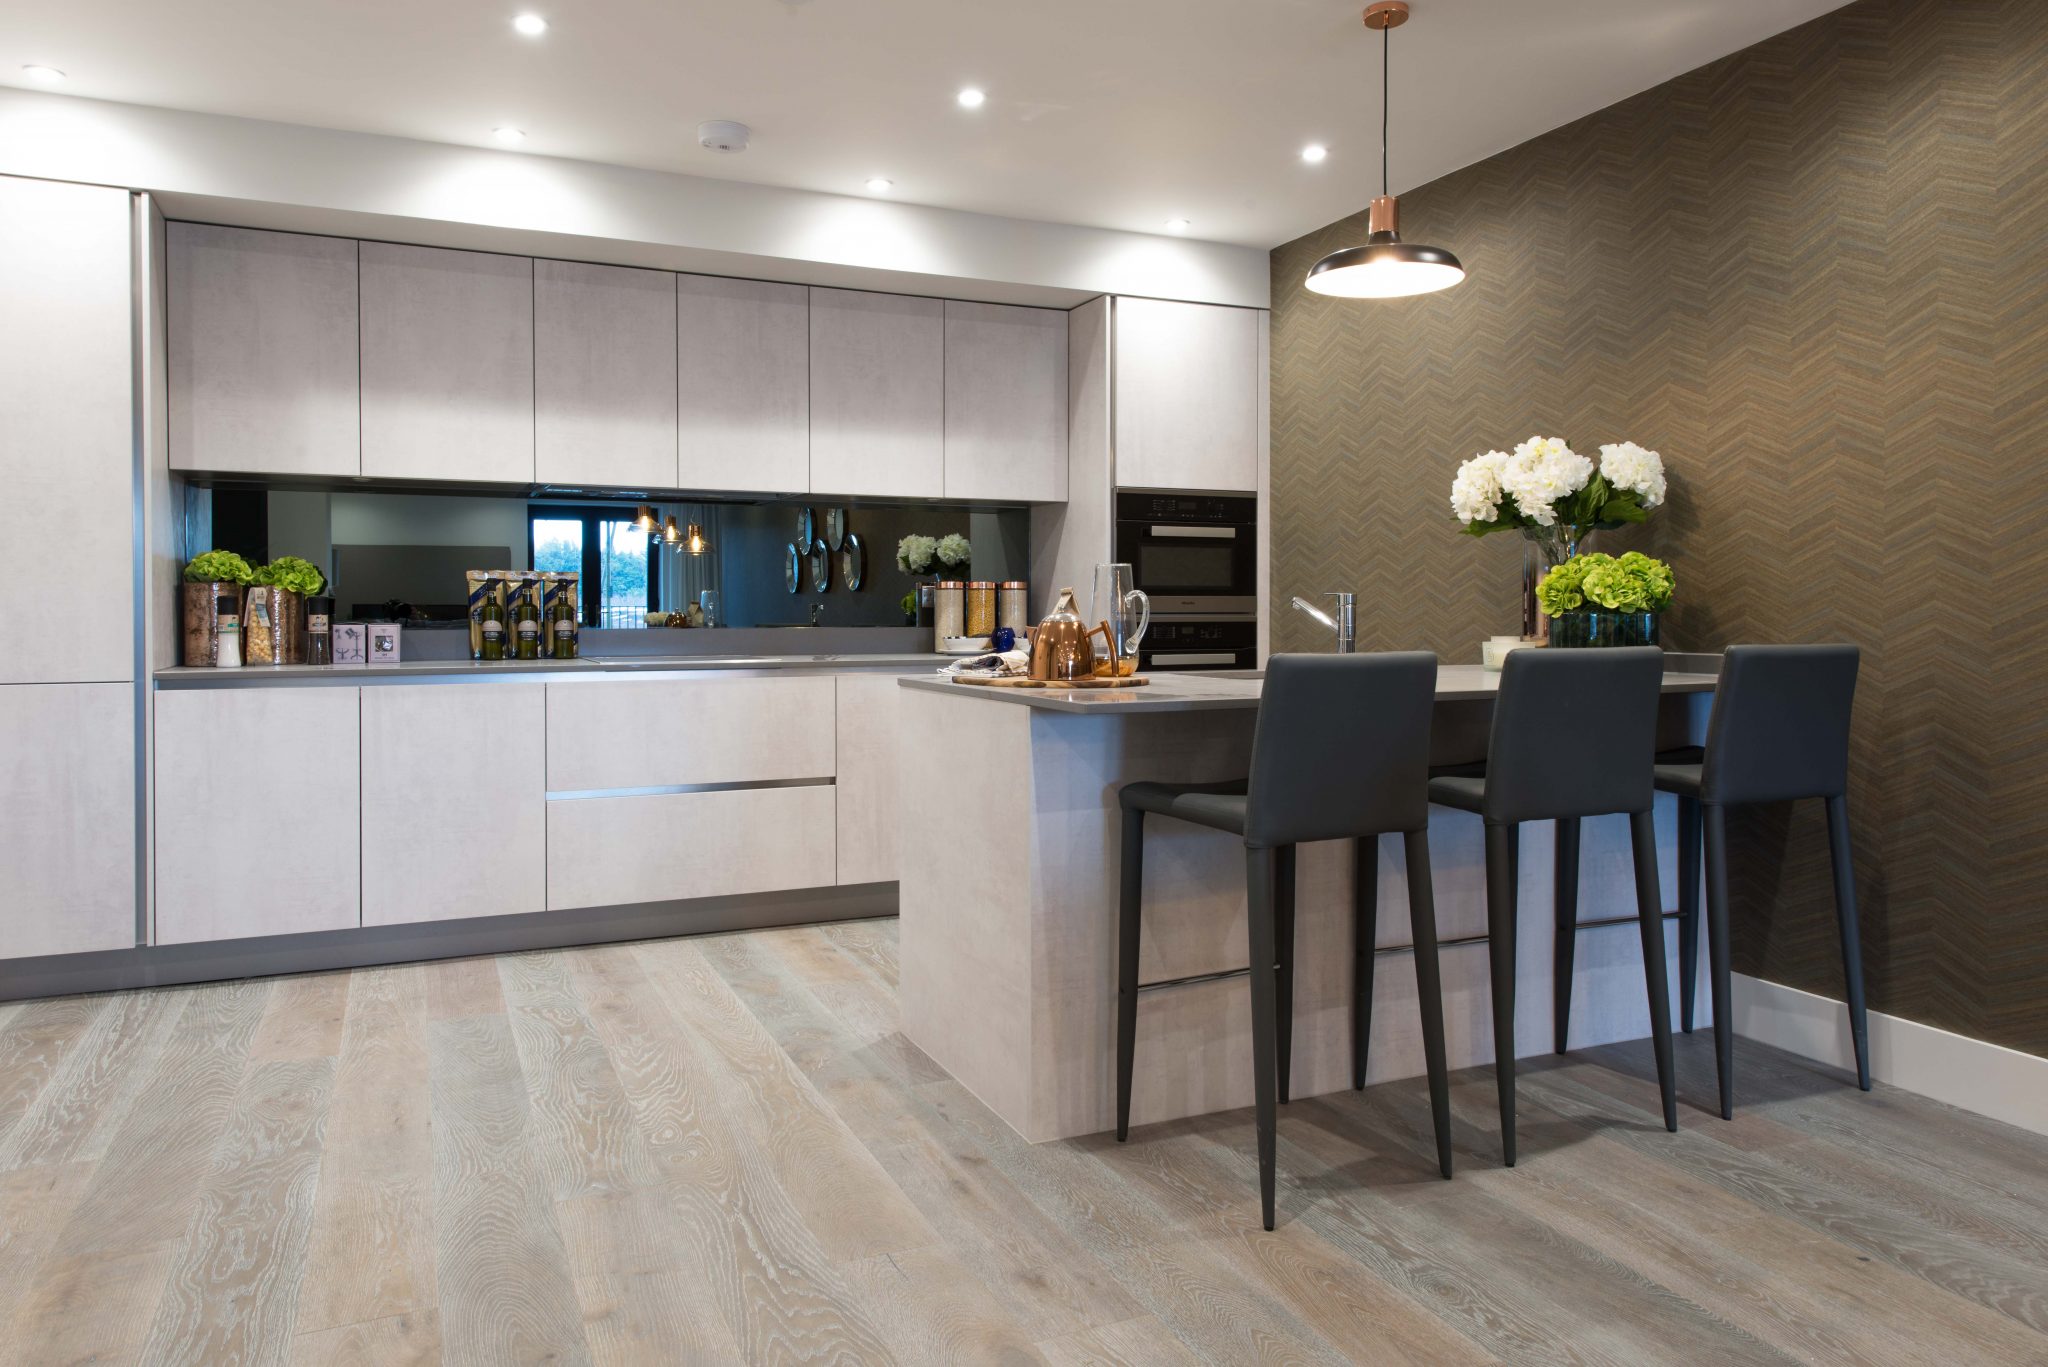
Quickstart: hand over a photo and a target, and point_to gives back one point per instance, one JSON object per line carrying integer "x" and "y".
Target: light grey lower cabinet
{"x": 67, "y": 818}
{"x": 67, "y": 439}
{"x": 447, "y": 363}
{"x": 1006, "y": 403}
{"x": 743, "y": 373}
{"x": 262, "y": 349}
{"x": 868, "y": 812}
{"x": 454, "y": 801}
{"x": 615, "y": 851}
{"x": 604, "y": 375}
{"x": 256, "y": 812}
{"x": 652, "y": 733}
{"x": 878, "y": 394}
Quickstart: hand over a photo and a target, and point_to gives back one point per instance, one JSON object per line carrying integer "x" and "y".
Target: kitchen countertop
{"x": 258, "y": 676}
{"x": 1217, "y": 692}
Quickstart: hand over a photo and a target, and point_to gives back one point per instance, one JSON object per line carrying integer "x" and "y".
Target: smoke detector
{"x": 723, "y": 135}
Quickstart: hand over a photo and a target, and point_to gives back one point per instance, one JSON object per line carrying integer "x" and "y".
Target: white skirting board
{"x": 1989, "y": 1079}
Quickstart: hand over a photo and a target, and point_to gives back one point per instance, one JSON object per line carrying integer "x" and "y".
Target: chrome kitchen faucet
{"x": 1345, "y": 623}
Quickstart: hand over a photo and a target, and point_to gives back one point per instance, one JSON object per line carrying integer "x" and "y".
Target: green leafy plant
{"x": 1629, "y": 583}
{"x": 218, "y": 567}
{"x": 289, "y": 572}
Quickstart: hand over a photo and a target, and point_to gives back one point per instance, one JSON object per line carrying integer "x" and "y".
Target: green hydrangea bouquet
{"x": 1633, "y": 582}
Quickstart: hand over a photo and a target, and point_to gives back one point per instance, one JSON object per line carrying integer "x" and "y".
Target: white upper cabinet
{"x": 262, "y": 351}
{"x": 604, "y": 375}
{"x": 447, "y": 364}
{"x": 878, "y": 394}
{"x": 1006, "y": 403}
{"x": 1187, "y": 395}
{"x": 743, "y": 375}
{"x": 67, "y": 430}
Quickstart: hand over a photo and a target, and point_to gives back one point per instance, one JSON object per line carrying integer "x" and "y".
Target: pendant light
{"x": 1385, "y": 267}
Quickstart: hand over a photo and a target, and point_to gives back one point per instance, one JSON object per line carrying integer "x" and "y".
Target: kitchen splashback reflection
{"x": 402, "y": 556}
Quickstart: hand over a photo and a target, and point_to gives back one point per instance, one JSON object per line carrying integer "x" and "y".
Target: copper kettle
{"x": 1063, "y": 647}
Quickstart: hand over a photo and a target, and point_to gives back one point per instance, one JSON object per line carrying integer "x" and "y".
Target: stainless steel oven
{"x": 1193, "y": 554}
{"x": 1200, "y": 643}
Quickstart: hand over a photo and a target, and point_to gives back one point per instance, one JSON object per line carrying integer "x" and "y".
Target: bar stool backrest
{"x": 1341, "y": 748}
{"x": 1574, "y": 733}
{"x": 1780, "y": 725}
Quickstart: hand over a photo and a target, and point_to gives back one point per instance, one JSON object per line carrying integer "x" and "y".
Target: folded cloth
{"x": 994, "y": 665}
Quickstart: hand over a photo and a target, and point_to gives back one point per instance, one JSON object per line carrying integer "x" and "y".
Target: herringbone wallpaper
{"x": 1815, "y": 276}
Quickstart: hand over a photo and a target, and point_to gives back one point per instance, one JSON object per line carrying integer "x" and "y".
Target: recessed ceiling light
{"x": 1314, "y": 153}
{"x": 509, "y": 135}
{"x": 532, "y": 25}
{"x": 880, "y": 184}
{"x": 970, "y": 98}
{"x": 46, "y": 75}
{"x": 1177, "y": 225}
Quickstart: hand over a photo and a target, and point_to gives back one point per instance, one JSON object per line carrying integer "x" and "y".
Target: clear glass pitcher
{"x": 1121, "y": 603}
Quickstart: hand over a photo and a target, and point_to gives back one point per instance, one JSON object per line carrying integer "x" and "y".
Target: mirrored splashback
{"x": 401, "y": 555}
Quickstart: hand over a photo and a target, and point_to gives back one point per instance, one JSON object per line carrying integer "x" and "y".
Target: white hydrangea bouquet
{"x": 1556, "y": 498}
{"x": 1545, "y": 488}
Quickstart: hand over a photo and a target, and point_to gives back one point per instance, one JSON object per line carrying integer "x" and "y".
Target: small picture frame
{"x": 384, "y": 643}
{"x": 351, "y": 643}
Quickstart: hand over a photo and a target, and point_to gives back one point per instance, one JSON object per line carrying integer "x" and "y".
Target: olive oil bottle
{"x": 492, "y": 620}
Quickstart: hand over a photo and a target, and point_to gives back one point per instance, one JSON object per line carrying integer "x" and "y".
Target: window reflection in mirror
{"x": 402, "y": 555}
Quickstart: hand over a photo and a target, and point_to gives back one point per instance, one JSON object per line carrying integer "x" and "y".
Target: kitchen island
{"x": 1008, "y": 855}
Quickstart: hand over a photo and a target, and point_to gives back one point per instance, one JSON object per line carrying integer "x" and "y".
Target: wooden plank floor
{"x": 721, "y": 1150}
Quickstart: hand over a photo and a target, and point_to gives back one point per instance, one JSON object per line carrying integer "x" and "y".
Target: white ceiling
{"x": 1110, "y": 113}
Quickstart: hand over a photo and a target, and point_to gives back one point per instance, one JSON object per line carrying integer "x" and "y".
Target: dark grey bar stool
{"x": 1574, "y": 735}
{"x": 1779, "y": 732}
{"x": 1341, "y": 753}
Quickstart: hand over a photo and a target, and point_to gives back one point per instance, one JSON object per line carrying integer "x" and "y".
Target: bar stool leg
{"x": 1642, "y": 829}
{"x": 1567, "y": 901}
{"x": 1365, "y": 916}
{"x": 1845, "y": 917}
{"x": 1130, "y": 898}
{"x": 1429, "y": 988}
{"x": 1260, "y": 875}
{"x": 1500, "y": 943}
{"x": 1716, "y": 823}
{"x": 1688, "y": 908}
{"x": 1283, "y": 938}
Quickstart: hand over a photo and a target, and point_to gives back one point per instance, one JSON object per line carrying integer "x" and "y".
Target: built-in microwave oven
{"x": 1200, "y": 643}
{"x": 1194, "y": 554}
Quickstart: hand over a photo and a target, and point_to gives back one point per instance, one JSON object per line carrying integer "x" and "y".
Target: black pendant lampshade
{"x": 1385, "y": 267}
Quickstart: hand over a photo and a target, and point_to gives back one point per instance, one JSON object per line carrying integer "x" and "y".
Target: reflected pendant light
{"x": 1385, "y": 267}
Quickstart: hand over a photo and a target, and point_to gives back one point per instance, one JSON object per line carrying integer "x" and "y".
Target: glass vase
{"x": 1585, "y": 627}
{"x": 1543, "y": 549}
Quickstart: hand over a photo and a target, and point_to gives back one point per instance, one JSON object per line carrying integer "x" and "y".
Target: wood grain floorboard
{"x": 619, "y": 1226}
{"x": 835, "y": 1182}
{"x": 89, "y": 1093}
{"x": 722, "y": 1150}
{"x": 371, "y": 1258}
{"x": 409, "y": 1340}
{"x": 933, "y": 1311}
{"x": 779, "y": 1295}
{"x": 33, "y": 1044}
{"x": 1139, "y": 1342}
{"x": 499, "y": 1266}
{"x": 306, "y": 1018}
{"x": 232, "y": 1295}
